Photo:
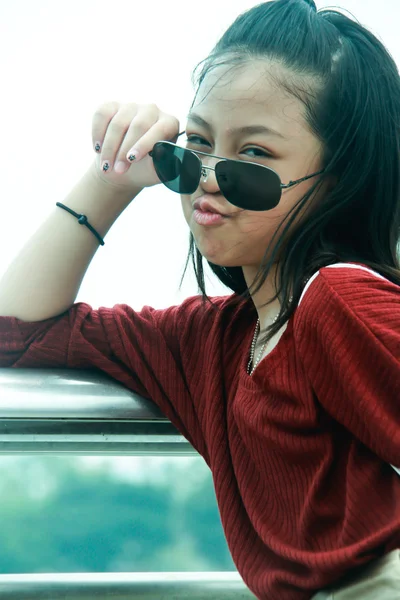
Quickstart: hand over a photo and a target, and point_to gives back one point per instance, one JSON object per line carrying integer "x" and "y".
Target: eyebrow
{"x": 248, "y": 129}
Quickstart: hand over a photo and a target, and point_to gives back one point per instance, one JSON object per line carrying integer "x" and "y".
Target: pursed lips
{"x": 204, "y": 205}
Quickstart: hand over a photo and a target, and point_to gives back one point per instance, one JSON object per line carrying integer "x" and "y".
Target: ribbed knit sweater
{"x": 300, "y": 452}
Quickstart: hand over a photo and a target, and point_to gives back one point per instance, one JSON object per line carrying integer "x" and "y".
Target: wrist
{"x": 109, "y": 189}
{"x": 101, "y": 202}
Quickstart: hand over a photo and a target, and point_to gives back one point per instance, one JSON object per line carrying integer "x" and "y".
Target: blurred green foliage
{"x": 59, "y": 517}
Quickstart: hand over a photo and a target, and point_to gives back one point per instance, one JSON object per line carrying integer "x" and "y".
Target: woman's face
{"x": 243, "y": 97}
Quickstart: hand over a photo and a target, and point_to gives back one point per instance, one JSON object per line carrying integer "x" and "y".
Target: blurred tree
{"x": 202, "y": 518}
{"x": 91, "y": 521}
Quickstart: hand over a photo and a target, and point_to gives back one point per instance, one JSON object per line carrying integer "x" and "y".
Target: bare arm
{"x": 44, "y": 279}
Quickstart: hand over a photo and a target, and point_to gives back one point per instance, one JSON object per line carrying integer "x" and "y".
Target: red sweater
{"x": 300, "y": 452}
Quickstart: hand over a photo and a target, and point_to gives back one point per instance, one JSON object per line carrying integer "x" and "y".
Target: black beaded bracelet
{"x": 82, "y": 220}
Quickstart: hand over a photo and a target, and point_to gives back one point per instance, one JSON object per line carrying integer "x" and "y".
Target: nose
{"x": 208, "y": 180}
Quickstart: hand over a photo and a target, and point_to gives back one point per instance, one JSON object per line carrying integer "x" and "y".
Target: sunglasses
{"x": 248, "y": 185}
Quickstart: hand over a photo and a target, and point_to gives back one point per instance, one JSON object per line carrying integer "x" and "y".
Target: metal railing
{"x": 86, "y": 412}
{"x": 124, "y": 586}
{"x": 80, "y": 412}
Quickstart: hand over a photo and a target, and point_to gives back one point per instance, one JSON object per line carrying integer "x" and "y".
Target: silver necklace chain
{"x": 250, "y": 370}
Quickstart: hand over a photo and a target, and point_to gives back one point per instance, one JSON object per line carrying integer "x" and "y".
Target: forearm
{"x": 44, "y": 279}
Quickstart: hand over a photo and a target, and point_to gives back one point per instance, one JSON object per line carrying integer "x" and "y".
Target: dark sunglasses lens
{"x": 177, "y": 168}
{"x": 248, "y": 186}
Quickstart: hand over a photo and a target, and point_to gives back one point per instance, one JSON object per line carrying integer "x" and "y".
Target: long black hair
{"x": 353, "y": 107}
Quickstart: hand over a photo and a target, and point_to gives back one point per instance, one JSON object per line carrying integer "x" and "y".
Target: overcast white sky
{"x": 60, "y": 60}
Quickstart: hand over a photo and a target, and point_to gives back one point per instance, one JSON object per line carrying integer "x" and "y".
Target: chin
{"x": 215, "y": 255}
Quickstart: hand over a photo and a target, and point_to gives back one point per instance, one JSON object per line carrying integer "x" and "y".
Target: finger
{"x": 166, "y": 128}
{"x": 147, "y": 115}
{"x": 115, "y": 134}
{"x": 100, "y": 122}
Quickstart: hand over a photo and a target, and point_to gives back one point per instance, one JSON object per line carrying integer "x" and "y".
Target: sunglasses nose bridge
{"x": 205, "y": 171}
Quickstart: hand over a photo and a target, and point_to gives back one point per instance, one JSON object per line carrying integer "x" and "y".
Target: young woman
{"x": 289, "y": 182}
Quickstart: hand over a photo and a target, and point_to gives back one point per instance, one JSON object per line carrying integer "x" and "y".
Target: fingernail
{"x": 105, "y": 166}
{"x": 119, "y": 167}
{"x": 97, "y": 146}
{"x": 133, "y": 155}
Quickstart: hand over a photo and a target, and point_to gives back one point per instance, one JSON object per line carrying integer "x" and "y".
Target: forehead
{"x": 231, "y": 94}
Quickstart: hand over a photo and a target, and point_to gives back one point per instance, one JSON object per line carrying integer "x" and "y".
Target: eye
{"x": 191, "y": 140}
{"x": 263, "y": 153}
{"x": 199, "y": 141}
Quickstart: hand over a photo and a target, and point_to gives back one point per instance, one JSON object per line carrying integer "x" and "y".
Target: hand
{"x": 121, "y": 128}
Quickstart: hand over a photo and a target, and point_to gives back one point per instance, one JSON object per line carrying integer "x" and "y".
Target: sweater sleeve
{"x": 347, "y": 335}
{"x": 143, "y": 350}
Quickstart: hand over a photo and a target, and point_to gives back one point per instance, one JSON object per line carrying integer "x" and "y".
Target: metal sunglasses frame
{"x": 204, "y": 169}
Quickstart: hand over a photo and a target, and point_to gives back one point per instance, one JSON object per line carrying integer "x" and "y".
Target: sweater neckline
{"x": 268, "y": 362}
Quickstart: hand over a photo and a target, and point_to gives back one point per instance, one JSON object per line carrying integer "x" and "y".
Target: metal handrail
{"x": 125, "y": 586}
{"x": 80, "y": 412}
{"x": 58, "y": 411}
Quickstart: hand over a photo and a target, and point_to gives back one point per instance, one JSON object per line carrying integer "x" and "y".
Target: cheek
{"x": 186, "y": 204}
{"x": 260, "y": 224}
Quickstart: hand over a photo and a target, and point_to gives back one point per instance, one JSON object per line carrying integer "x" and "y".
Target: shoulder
{"x": 350, "y": 289}
{"x": 215, "y": 311}
{"x": 343, "y": 277}
{"x": 194, "y": 305}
